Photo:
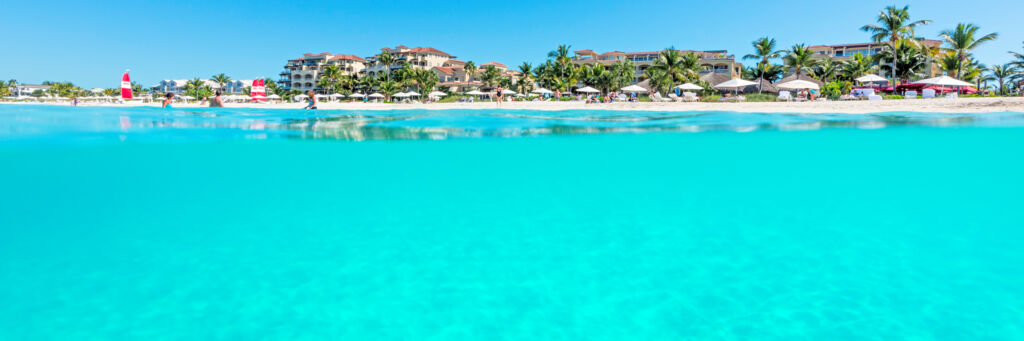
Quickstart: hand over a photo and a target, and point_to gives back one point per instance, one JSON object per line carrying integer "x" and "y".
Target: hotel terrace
{"x": 719, "y": 62}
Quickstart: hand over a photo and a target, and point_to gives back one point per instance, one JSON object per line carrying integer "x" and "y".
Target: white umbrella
{"x": 356, "y": 95}
{"x": 520, "y": 95}
{"x": 401, "y": 95}
{"x": 300, "y": 96}
{"x": 336, "y": 95}
{"x": 735, "y": 83}
{"x": 437, "y": 94}
{"x": 588, "y": 89}
{"x": 690, "y": 86}
{"x": 96, "y": 90}
{"x": 871, "y": 79}
{"x": 798, "y": 84}
{"x": 274, "y": 96}
{"x": 541, "y": 91}
{"x": 944, "y": 81}
{"x": 475, "y": 93}
{"x": 376, "y": 95}
{"x": 413, "y": 94}
{"x": 182, "y": 97}
{"x": 508, "y": 92}
{"x": 634, "y": 88}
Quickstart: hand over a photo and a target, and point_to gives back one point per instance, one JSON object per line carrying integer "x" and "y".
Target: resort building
{"x": 237, "y": 86}
{"x": 719, "y": 62}
{"x": 453, "y": 74}
{"x": 303, "y": 73}
{"x": 424, "y": 58}
{"x": 845, "y": 52}
{"x": 28, "y": 89}
{"x": 178, "y": 86}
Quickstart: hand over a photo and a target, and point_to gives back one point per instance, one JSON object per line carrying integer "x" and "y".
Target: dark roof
{"x": 767, "y": 87}
{"x": 715, "y": 78}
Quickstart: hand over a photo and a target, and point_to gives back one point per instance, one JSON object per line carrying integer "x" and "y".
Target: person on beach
{"x": 310, "y": 100}
{"x": 168, "y": 98}
{"x": 74, "y": 101}
{"x": 499, "y": 95}
{"x": 216, "y": 101}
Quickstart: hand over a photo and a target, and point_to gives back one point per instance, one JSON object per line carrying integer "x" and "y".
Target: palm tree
{"x": 826, "y": 70}
{"x": 908, "y": 61}
{"x": 491, "y": 75}
{"x": 659, "y": 80}
{"x": 561, "y": 54}
{"x": 963, "y": 39}
{"x": 672, "y": 63}
{"x": 197, "y": 88}
{"x": 798, "y": 58}
{"x": 386, "y": 59}
{"x": 470, "y": 68}
{"x": 525, "y": 68}
{"x": 221, "y": 79}
{"x": 1002, "y": 73}
{"x": 857, "y": 66}
{"x": 387, "y": 87}
{"x": 764, "y": 50}
{"x": 893, "y": 24}
{"x": 1018, "y": 60}
{"x": 623, "y": 72}
{"x": 931, "y": 55}
{"x": 426, "y": 80}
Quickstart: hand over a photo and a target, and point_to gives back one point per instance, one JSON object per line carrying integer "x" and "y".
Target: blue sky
{"x": 91, "y": 43}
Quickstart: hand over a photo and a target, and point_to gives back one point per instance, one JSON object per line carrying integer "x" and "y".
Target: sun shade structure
{"x": 735, "y": 84}
{"x": 508, "y": 92}
{"x": 541, "y": 91}
{"x": 401, "y": 95}
{"x": 356, "y": 95}
{"x": 376, "y": 95}
{"x": 274, "y": 97}
{"x": 944, "y": 81}
{"x": 475, "y": 93}
{"x": 588, "y": 90}
{"x": 798, "y": 85}
{"x": 437, "y": 94}
{"x": 871, "y": 79}
{"x": 690, "y": 86}
{"x": 634, "y": 88}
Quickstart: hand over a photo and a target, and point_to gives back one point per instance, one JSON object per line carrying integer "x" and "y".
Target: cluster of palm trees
{"x": 904, "y": 58}
{"x": 559, "y": 73}
{"x": 7, "y": 88}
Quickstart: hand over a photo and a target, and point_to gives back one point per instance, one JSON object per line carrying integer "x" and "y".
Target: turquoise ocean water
{"x": 249, "y": 224}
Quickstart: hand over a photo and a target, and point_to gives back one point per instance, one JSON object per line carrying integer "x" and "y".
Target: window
{"x": 839, "y": 53}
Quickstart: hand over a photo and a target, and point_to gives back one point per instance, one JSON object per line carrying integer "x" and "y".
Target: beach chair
{"x": 952, "y": 95}
{"x": 741, "y": 98}
{"x": 674, "y": 98}
{"x": 910, "y": 95}
{"x": 657, "y": 98}
{"x": 785, "y": 96}
{"x": 928, "y": 93}
{"x": 874, "y": 97}
{"x": 690, "y": 97}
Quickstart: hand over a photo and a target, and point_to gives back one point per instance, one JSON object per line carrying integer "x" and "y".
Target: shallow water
{"x": 200, "y": 224}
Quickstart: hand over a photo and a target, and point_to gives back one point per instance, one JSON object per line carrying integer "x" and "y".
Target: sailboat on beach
{"x": 126, "y": 86}
{"x": 258, "y": 91}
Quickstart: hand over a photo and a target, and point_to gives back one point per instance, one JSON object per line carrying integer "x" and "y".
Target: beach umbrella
{"x": 437, "y": 94}
{"x": 96, "y": 90}
{"x": 475, "y": 93}
{"x": 588, "y": 90}
{"x": 413, "y": 94}
{"x": 735, "y": 84}
{"x": 376, "y": 95}
{"x": 871, "y": 79}
{"x": 337, "y": 95}
{"x": 944, "y": 81}
{"x": 690, "y": 86}
{"x": 508, "y": 92}
{"x": 274, "y": 96}
{"x": 634, "y": 88}
{"x": 541, "y": 91}
{"x": 356, "y": 95}
{"x": 401, "y": 95}
{"x": 798, "y": 85}
{"x": 300, "y": 96}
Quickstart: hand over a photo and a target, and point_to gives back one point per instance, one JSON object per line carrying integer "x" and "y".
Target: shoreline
{"x": 940, "y": 105}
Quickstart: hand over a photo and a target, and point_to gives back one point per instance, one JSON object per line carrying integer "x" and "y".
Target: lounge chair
{"x": 785, "y": 96}
{"x": 656, "y": 97}
{"x": 952, "y": 95}
{"x": 874, "y": 98}
{"x": 674, "y": 98}
{"x": 910, "y": 95}
{"x": 690, "y": 97}
{"x": 928, "y": 93}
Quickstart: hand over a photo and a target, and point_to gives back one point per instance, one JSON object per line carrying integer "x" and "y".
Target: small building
{"x": 718, "y": 61}
{"x": 28, "y": 89}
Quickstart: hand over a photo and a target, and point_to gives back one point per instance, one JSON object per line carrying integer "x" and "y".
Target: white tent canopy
{"x": 871, "y": 79}
{"x": 735, "y": 84}
{"x": 356, "y": 95}
{"x": 274, "y": 96}
{"x": 689, "y": 86}
{"x": 541, "y": 91}
{"x": 508, "y": 92}
{"x": 944, "y": 81}
{"x": 376, "y": 95}
{"x": 437, "y": 94}
{"x": 401, "y": 95}
{"x": 475, "y": 93}
{"x": 588, "y": 90}
{"x": 798, "y": 84}
{"x": 634, "y": 88}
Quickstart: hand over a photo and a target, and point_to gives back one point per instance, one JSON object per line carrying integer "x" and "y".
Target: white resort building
{"x": 303, "y": 73}
{"x": 718, "y": 62}
{"x": 424, "y": 58}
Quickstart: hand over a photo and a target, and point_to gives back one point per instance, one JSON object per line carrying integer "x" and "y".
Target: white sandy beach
{"x": 959, "y": 105}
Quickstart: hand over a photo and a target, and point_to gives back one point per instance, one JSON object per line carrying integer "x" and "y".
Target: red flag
{"x": 258, "y": 90}
{"x": 126, "y": 86}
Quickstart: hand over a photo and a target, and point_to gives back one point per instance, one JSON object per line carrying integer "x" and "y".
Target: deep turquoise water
{"x": 248, "y": 224}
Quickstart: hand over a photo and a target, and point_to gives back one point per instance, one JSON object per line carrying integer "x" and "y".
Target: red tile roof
{"x": 495, "y": 64}
{"x": 445, "y": 70}
{"x": 456, "y": 61}
{"x": 347, "y": 57}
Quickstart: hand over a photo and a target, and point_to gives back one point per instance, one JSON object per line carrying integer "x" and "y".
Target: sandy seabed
{"x": 941, "y": 105}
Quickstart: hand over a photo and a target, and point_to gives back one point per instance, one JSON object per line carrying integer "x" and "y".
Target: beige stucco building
{"x": 843, "y": 52}
{"x": 424, "y": 58}
{"x": 303, "y": 73}
{"x": 720, "y": 62}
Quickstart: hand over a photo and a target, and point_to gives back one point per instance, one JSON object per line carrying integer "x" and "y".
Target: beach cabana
{"x": 714, "y": 78}
{"x": 942, "y": 82}
{"x": 689, "y": 86}
{"x": 735, "y": 84}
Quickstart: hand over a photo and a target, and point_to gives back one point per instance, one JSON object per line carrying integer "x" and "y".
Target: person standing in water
{"x": 500, "y": 95}
{"x": 216, "y": 101}
{"x": 310, "y": 100}
{"x": 168, "y": 98}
